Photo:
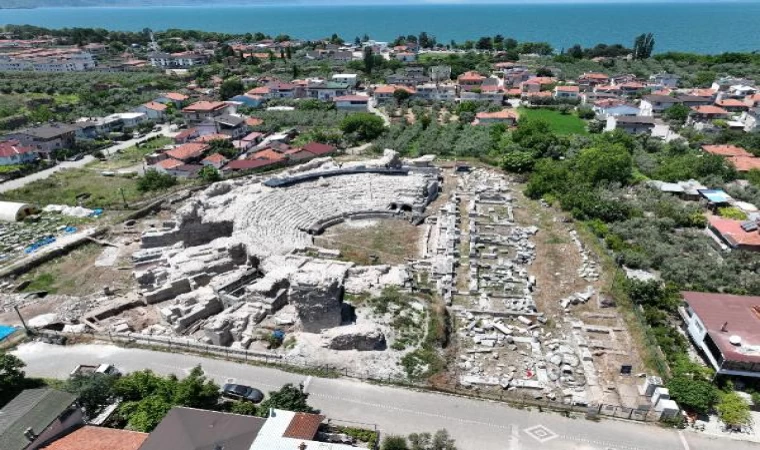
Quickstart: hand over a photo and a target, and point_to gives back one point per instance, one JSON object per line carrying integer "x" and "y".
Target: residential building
{"x": 200, "y": 111}
{"x": 252, "y": 101}
{"x": 384, "y": 92}
{"x": 298, "y": 155}
{"x": 217, "y": 160}
{"x": 470, "y": 78}
{"x": 726, "y": 329}
{"x": 725, "y": 83}
{"x": 47, "y": 60}
{"x": 610, "y": 108}
{"x": 632, "y": 88}
{"x": 326, "y": 91}
{"x": 588, "y": 81}
{"x": 317, "y": 149}
{"x": 350, "y": 79}
{"x": 406, "y": 79}
{"x": 664, "y": 80}
{"x": 278, "y": 89}
{"x": 406, "y": 57}
{"x": 127, "y": 119}
{"x": 172, "y": 97}
{"x": 197, "y": 429}
{"x": 46, "y": 138}
{"x": 630, "y": 124}
{"x": 99, "y": 438}
{"x": 175, "y": 60}
{"x": 187, "y": 153}
{"x": 732, "y": 105}
{"x": 351, "y": 103}
{"x": 751, "y": 120}
{"x": 226, "y": 124}
{"x": 292, "y": 430}
{"x": 537, "y": 84}
{"x": 726, "y": 150}
{"x": 707, "y": 113}
{"x": 167, "y": 165}
{"x": 567, "y": 92}
{"x": 436, "y": 92}
{"x": 247, "y": 165}
{"x": 655, "y": 104}
{"x": 744, "y": 163}
{"x": 506, "y": 116}
{"x": 37, "y": 417}
{"x": 13, "y": 153}
{"x": 153, "y": 110}
{"x": 440, "y": 73}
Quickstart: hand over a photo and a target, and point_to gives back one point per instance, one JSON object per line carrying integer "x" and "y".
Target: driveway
{"x": 476, "y": 425}
{"x": 41, "y": 175}
{"x": 371, "y": 108}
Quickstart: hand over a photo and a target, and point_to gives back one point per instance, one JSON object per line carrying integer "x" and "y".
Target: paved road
{"x": 476, "y": 425}
{"x": 41, "y": 175}
{"x": 371, "y": 107}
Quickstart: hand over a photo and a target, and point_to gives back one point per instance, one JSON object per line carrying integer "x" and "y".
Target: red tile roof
{"x": 731, "y": 103}
{"x": 709, "y": 110}
{"x": 319, "y": 149}
{"x": 744, "y": 163}
{"x": 253, "y": 136}
{"x": 98, "y": 438}
{"x": 594, "y": 76}
{"x": 12, "y": 148}
{"x": 740, "y": 316}
{"x": 726, "y": 150}
{"x": 215, "y": 158}
{"x": 253, "y": 121}
{"x": 155, "y": 106}
{"x": 187, "y": 151}
{"x": 702, "y": 93}
{"x": 261, "y": 90}
{"x": 169, "y": 163}
{"x": 185, "y": 134}
{"x": 541, "y": 80}
{"x": 212, "y": 137}
{"x": 248, "y": 164}
{"x": 176, "y": 96}
{"x": 268, "y": 154}
{"x": 205, "y": 106}
{"x": 471, "y": 76}
{"x": 567, "y": 89}
{"x": 303, "y": 426}
{"x": 351, "y": 98}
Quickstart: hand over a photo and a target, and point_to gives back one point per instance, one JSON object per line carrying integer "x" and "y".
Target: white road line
{"x": 683, "y": 440}
{"x": 514, "y": 440}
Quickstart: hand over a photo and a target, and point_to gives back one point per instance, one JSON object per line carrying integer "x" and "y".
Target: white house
{"x": 630, "y": 124}
{"x": 566, "y": 92}
{"x": 607, "y": 108}
{"x": 128, "y": 119}
{"x": 351, "y": 103}
{"x": 350, "y": 79}
{"x": 153, "y": 110}
{"x": 664, "y": 80}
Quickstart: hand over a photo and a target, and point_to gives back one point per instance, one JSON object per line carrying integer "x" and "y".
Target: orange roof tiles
{"x": 253, "y": 121}
{"x": 709, "y": 110}
{"x": 169, "y": 163}
{"x": 503, "y": 114}
{"x": 213, "y": 137}
{"x": 215, "y": 158}
{"x": 155, "y": 106}
{"x": 702, "y": 92}
{"x": 269, "y": 154}
{"x": 205, "y": 106}
{"x": 98, "y": 438}
{"x": 188, "y": 151}
{"x": 594, "y": 76}
{"x": 303, "y": 426}
{"x": 730, "y": 103}
{"x": 176, "y": 96}
{"x": 726, "y": 150}
{"x": 745, "y": 163}
{"x": 568, "y": 89}
{"x": 732, "y": 231}
{"x": 471, "y": 76}
{"x": 9, "y": 149}
{"x": 261, "y": 90}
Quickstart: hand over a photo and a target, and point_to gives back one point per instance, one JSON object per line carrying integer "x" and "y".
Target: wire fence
{"x": 514, "y": 398}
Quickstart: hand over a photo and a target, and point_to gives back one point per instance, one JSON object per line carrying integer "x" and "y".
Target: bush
{"x": 732, "y": 212}
{"x": 365, "y": 126}
{"x": 154, "y": 180}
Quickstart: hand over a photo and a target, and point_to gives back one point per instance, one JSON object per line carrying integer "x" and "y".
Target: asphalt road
{"x": 476, "y": 425}
{"x": 41, "y": 175}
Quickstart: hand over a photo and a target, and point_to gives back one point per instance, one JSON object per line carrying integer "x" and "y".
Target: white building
{"x": 665, "y": 80}
{"x": 68, "y": 62}
{"x": 173, "y": 60}
{"x": 351, "y": 79}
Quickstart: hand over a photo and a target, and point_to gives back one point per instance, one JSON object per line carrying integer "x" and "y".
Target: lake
{"x": 700, "y": 27}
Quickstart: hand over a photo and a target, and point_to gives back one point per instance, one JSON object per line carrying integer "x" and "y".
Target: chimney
{"x": 724, "y": 328}
{"x": 302, "y": 446}
{"x": 29, "y": 434}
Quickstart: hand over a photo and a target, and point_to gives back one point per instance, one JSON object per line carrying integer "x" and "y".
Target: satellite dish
{"x": 735, "y": 340}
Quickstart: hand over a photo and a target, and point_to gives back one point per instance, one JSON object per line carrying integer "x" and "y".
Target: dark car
{"x": 241, "y": 392}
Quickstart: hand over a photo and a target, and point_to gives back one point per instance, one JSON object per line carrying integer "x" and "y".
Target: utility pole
{"x": 22, "y": 319}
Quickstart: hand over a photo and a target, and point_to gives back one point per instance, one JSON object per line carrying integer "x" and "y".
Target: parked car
{"x": 242, "y": 392}
{"x": 85, "y": 369}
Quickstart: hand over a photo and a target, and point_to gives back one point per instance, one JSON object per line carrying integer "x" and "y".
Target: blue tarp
{"x": 6, "y": 331}
{"x": 39, "y": 244}
{"x": 715, "y": 195}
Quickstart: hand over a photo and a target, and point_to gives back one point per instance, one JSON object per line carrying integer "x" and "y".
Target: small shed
{"x": 15, "y": 212}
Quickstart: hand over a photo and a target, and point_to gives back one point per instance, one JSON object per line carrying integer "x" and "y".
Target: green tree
{"x": 611, "y": 164}
{"x": 154, "y": 180}
{"x": 401, "y": 95}
{"x": 677, "y": 113}
{"x": 391, "y": 442}
{"x": 223, "y": 147}
{"x": 518, "y": 162}
{"x": 733, "y": 410}
{"x": 643, "y": 46}
{"x": 209, "y": 174}
{"x": 425, "y": 441}
{"x": 12, "y": 377}
{"x": 289, "y": 398}
{"x": 230, "y": 88}
{"x": 696, "y": 395}
{"x": 94, "y": 391}
{"x": 244, "y": 408}
{"x": 364, "y": 126}
{"x": 146, "y": 414}
{"x": 369, "y": 60}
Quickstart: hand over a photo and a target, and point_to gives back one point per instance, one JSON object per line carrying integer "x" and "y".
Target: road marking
{"x": 514, "y": 440}
{"x": 541, "y": 433}
{"x": 683, "y": 440}
{"x": 306, "y": 383}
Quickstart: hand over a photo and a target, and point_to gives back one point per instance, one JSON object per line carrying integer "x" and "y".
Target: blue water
{"x": 6, "y": 331}
{"x": 702, "y": 27}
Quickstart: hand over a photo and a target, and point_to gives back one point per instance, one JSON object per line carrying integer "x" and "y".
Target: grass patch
{"x": 406, "y": 318}
{"x": 63, "y": 188}
{"x": 135, "y": 154}
{"x": 44, "y": 281}
{"x": 558, "y": 122}
{"x": 10, "y": 168}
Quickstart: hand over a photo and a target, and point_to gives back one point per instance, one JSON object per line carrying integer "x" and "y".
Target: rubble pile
{"x": 589, "y": 269}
